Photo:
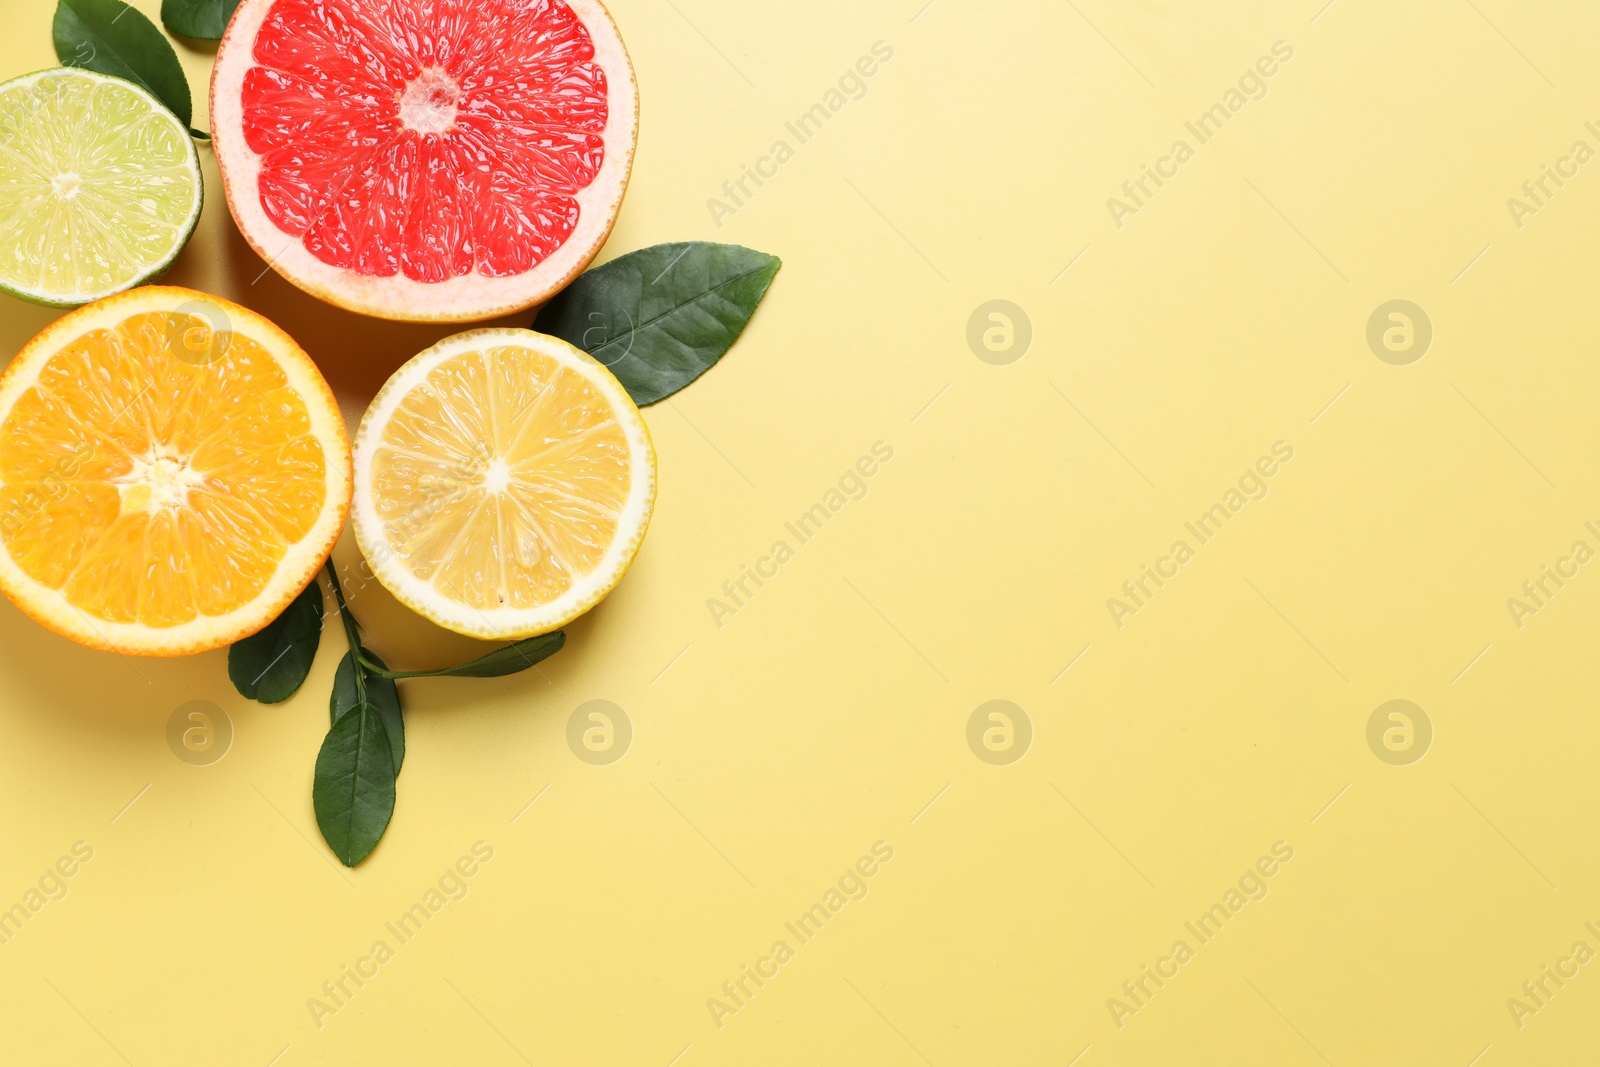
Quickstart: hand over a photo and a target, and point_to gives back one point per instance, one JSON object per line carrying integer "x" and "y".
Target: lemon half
{"x": 504, "y": 482}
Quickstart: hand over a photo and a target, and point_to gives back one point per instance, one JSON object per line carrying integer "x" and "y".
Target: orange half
{"x": 173, "y": 472}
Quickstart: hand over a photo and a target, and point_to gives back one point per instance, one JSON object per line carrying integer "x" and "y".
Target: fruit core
{"x": 158, "y": 480}
{"x": 498, "y": 477}
{"x": 429, "y": 104}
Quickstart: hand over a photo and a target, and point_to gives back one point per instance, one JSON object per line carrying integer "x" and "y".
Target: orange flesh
{"x": 157, "y": 472}
{"x": 500, "y": 478}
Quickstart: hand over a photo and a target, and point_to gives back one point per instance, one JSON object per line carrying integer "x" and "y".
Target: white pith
{"x": 299, "y": 565}
{"x": 502, "y": 623}
{"x": 471, "y": 297}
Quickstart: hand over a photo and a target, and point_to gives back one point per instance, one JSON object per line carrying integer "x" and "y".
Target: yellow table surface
{"x": 1174, "y": 746}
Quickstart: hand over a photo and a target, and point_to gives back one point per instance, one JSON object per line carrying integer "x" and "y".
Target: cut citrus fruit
{"x": 99, "y": 186}
{"x": 429, "y": 160}
{"x": 504, "y": 480}
{"x": 173, "y": 471}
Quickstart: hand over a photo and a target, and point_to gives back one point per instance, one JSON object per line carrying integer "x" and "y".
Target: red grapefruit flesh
{"x": 426, "y": 160}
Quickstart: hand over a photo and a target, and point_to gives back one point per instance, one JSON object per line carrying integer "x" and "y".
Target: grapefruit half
{"x": 425, "y": 160}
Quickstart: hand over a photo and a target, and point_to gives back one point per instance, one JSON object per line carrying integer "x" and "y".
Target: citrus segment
{"x": 425, "y": 159}
{"x": 505, "y": 480}
{"x": 101, "y": 186}
{"x": 173, "y": 470}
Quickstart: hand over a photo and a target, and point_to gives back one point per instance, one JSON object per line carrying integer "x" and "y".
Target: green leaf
{"x": 500, "y": 662}
{"x": 270, "y": 665}
{"x": 203, "y": 20}
{"x": 661, "y": 316}
{"x": 112, "y": 38}
{"x": 352, "y": 791}
{"x": 382, "y": 697}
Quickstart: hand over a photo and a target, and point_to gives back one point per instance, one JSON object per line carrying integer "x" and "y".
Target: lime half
{"x": 99, "y": 186}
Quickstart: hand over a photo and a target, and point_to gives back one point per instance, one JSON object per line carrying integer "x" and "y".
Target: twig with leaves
{"x": 353, "y": 788}
{"x": 658, "y": 318}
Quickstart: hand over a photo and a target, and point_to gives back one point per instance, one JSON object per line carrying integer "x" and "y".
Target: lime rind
{"x": 100, "y": 186}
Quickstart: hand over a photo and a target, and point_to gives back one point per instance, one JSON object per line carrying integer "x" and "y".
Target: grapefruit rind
{"x": 184, "y": 228}
{"x": 468, "y": 298}
{"x": 299, "y": 566}
{"x": 503, "y": 623}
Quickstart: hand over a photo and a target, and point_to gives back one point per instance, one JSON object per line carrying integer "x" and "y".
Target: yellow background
{"x": 770, "y": 753}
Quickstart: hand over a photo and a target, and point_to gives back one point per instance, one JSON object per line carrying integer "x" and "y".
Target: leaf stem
{"x": 530, "y": 651}
{"x": 382, "y": 672}
{"x": 352, "y": 630}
